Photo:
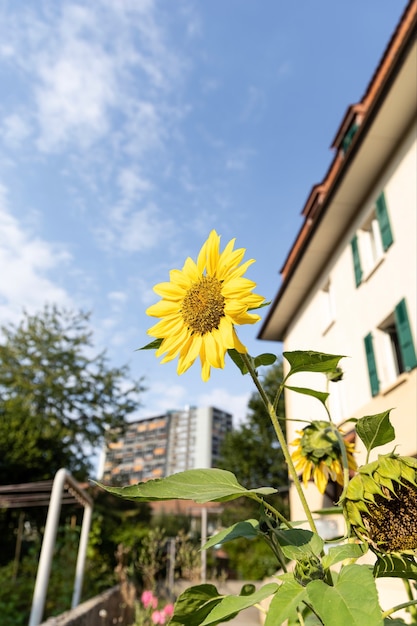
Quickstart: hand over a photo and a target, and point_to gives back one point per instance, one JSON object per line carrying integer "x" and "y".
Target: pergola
{"x": 64, "y": 489}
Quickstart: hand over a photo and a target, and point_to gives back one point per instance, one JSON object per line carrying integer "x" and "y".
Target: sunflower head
{"x": 202, "y": 304}
{"x": 308, "y": 569}
{"x": 318, "y": 454}
{"x": 381, "y": 503}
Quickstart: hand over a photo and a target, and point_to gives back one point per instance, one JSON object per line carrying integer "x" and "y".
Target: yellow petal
{"x": 170, "y": 291}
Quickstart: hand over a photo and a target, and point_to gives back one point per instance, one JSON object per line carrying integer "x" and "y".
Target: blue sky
{"x": 130, "y": 128}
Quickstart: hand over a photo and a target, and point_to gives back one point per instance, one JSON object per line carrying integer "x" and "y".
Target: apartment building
{"x": 349, "y": 281}
{"x": 166, "y": 444}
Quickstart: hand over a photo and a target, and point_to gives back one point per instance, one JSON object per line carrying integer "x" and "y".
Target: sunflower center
{"x": 203, "y": 305}
{"x": 392, "y": 523}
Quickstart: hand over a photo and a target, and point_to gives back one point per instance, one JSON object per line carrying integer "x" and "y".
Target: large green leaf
{"x": 194, "y": 604}
{"x": 320, "y": 395}
{"x": 199, "y": 485}
{"x": 247, "y": 529}
{"x": 353, "y": 601}
{"x": 283, "y": 605}
{"x": 310, "y": 361}
{"x": 298, "y": 543}
{"x": 345, "y": 551}
{"x": 375, "y": 430}
{"x": 395, "y": 566}
{"x": 230, "y": 605}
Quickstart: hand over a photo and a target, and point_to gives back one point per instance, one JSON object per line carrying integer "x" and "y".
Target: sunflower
{"x": 381, "y": 503}
{"x": 201, "y": 305}
{"x": 318, "y": 454}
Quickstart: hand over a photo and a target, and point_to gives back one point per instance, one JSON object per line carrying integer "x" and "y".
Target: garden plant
{"x": 317, "y": 582}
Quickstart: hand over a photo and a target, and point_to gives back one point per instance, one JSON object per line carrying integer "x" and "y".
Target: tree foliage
{"x": 251, "y": 451}
{"x": 57, "y": 398}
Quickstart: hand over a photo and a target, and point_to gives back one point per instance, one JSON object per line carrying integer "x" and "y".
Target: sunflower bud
{"x": 307, "y": 570}
{"x": 381, "y": 503}
{"x": 318, "y": 454}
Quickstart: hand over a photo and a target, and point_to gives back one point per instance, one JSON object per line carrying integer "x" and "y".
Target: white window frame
{"x": 370, "y": 245}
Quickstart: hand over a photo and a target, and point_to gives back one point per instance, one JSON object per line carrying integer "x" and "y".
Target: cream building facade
{"x": 349, "y": 281}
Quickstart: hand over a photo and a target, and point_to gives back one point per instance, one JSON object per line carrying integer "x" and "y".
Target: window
{"x": 347, "y": 139}
{"x": 371, "y": 243}
{"x": 372, "y": 240}
{"x": 396, "y": 352}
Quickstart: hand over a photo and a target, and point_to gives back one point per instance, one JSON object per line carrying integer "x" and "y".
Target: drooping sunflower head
{"x": 319, "y": 455}
{"x": 202, "y": 304}
{"x": 381, "y": 503}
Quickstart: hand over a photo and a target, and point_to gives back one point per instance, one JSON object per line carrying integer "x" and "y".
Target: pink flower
{"x": 168, "y": 610}
{"x": 149, "y": 600}
{"x": 158, "y": 617}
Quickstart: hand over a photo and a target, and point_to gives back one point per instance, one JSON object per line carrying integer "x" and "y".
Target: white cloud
{"x": 117, "y": 297}
{"x": 254, "y": 104}
{"x": 26, "y": 260}
{"x": 237, "y": 405}
{"x": 89, "y": 62}
{"x": 132, "y": 184}
{"x": 238, "y": 161}
{"x": 135, "y": 230}
{"x": 165, "y": 396}
{"x": 15, "y": 129}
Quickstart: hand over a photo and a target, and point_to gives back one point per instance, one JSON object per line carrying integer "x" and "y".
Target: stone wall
{"x": 114, "y": 606}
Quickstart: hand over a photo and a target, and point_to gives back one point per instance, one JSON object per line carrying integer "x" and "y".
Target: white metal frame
{"x": 62, "y": 478}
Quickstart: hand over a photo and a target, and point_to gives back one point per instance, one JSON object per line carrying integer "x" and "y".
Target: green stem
{"x": 413, "y": 609}
{"x": 398, "y": 607}
{"x": 273, "y": 510}
{"x": 282, "y": 441}
{"x": 343, "y": 452}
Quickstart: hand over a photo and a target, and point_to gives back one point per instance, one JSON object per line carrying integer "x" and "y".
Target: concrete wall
{"x": 114, "y": 606}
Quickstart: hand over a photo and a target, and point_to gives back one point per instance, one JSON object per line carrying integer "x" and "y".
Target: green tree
{"x": 251, "y": 451}
{"x": 57, "y": 398}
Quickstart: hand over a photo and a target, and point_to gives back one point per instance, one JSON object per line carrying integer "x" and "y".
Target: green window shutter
{"x": 383, "y": 221}
{"x": 347, "y": 139}
{"x": 405, "y": 337}
{"x": 356, "y": 261}
{"x": 370, "y": 357}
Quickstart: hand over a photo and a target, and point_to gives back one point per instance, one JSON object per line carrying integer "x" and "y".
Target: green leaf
{"x": 297, "y": 543}
{"x": 320, "y": 395}
{"x": 194, "y": 604}
{"x": 264, "y": 359}
{"x": 310, "y": 361}
{"x": 230, "y": 605}
{"x": 247, "y": 529}
{"x": 257, "y": 361}
{"x": 346, "y": 551}
{"x": 395, "y": 566}
{"x": 199, "y": 485}
{"x": 353, "y": 601}
{"x": 284, "y": 603}
{"x": 375, "y": 430}
{"x": 153, "y": 345}
{"x": 261, "y": 306}
{"x": 237, "y": 360}
{"x": 330, "y": 510}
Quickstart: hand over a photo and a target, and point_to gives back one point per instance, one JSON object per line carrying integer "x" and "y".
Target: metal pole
{"x": 48, "y": 543}
{"x": 203, "y": 541}
{"x": 62, "y": 477}
{"x": 82, "y": 553}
